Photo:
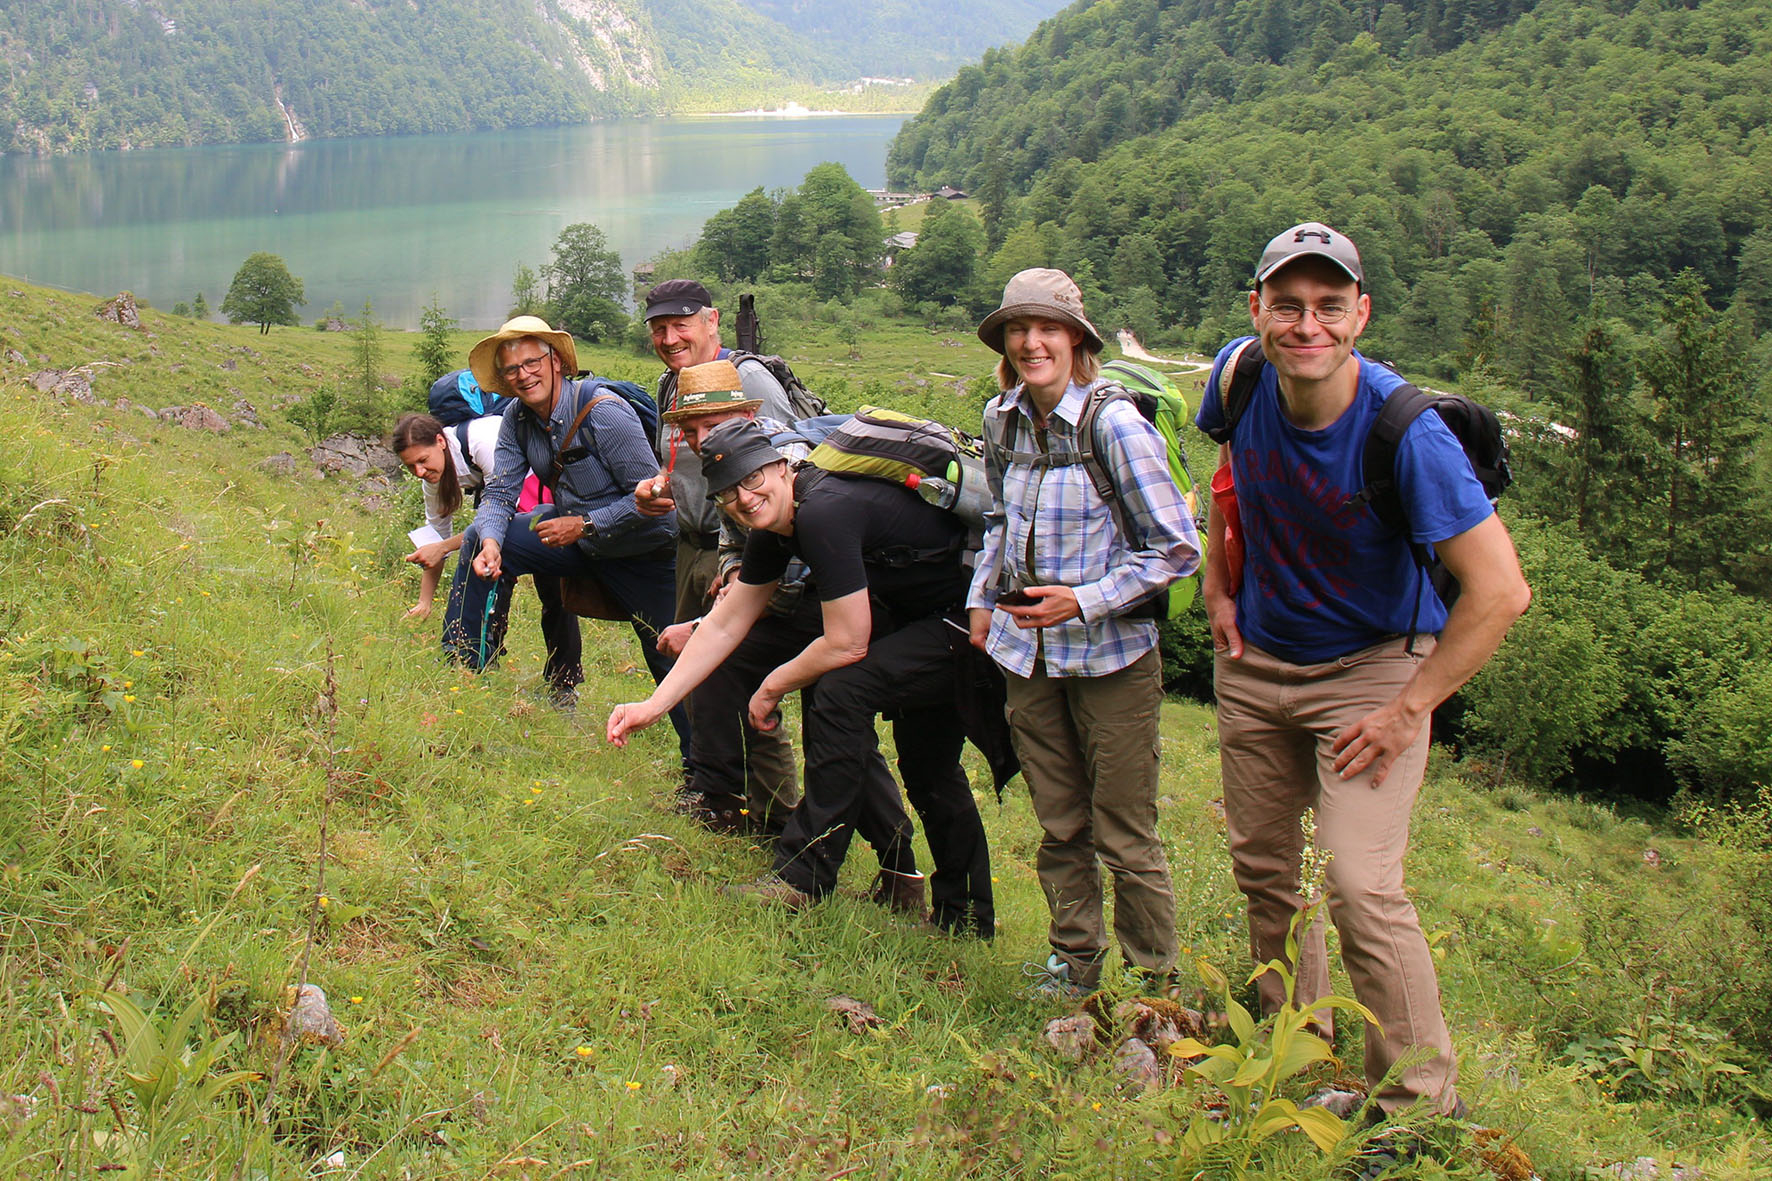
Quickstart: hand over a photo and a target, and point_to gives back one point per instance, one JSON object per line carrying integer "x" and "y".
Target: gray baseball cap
{"x": 1310, "y": 238}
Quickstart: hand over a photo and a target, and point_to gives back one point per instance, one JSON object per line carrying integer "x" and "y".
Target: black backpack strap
{"x": 1236, "y": 385}
{"x": 1378, "y": 465}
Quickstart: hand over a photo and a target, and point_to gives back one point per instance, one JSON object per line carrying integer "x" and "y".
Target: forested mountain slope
{"x": 1573, "y": 151}
{"x": 80, "y": 74}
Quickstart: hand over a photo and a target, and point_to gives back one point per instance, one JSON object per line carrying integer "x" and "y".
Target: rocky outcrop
{"x": 120, "y": 309}
{"x": 355, "y": 456}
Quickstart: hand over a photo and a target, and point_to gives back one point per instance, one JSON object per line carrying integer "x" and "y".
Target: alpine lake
{"x": 402, "y": 221}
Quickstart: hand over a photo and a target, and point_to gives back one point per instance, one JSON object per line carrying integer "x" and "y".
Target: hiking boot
{"x": 564, "y": 698}
{"x": 1053, "y": 980}
{"x": 721, "y": 814}
{"x": 1384, "y": 1153}
{"x": 770, "y": 890}
{"x": 1166, "y": 985}
{"x": 902, "y": 892}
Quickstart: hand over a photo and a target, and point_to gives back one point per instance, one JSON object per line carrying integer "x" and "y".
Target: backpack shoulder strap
{"x": 1378, "y": 464}
{"x": 584, "y": 413}
{"x": 1099, "y": 395}
{"x": 1236, "y": 385}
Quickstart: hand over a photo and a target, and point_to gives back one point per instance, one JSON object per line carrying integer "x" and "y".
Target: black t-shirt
{"x": 853, "y": 533}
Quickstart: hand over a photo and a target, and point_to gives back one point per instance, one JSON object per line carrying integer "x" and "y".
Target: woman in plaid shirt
{"x": 1055, "y": 602}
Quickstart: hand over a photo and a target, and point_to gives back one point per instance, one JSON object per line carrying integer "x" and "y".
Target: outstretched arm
{"x": 720, "y": 632}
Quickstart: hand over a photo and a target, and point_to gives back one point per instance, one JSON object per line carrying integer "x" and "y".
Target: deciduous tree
{"x": 264, "y": 293}
{"x": 586, "y": 284}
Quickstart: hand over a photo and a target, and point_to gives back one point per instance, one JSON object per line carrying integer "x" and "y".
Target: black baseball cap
{"x": 1306, "y": 239}
{"x": 677, "y": 297}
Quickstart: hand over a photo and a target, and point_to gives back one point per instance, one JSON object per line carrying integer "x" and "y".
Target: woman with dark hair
{"x": 1056, "y": 602}
{"x": 454, "y": 462}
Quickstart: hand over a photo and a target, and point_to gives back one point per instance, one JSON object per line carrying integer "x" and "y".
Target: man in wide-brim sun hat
{"x": 588, "y": 446}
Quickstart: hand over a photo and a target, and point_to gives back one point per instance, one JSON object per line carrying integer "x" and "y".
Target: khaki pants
{"x": 1088, "y": 749}
{"x": 772, "y": 784}
{"x": 1275, "y": 724}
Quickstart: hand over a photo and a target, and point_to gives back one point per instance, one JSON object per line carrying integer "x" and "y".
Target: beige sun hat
{"x": 483, "y": 359}
{"x": 709, "y": 388}
{"x": 1043, "y": 293}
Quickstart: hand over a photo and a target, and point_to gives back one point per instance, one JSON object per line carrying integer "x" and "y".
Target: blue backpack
{"x": 456, "y": 397}
{"x": 634, "y": 395}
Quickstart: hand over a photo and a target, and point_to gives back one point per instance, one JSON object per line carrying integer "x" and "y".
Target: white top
{"x": 483, "y": 446}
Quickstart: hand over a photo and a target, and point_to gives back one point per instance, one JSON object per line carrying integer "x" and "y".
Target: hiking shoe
{"x": 1384, "y": 1153}
{"x": 721, "y": 814}
{"x": 564, "y": 698}
{"x": 902, "y": 892}
{"x": 1052, "y": 980}
{"x": 770, "y": 890}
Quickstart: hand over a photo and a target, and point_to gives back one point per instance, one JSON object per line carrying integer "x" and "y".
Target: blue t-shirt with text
{"x": 1323, "y": 578}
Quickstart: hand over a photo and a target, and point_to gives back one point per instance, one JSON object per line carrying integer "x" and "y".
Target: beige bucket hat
{"x": 1045, "y": 293}
{"x": 483, "y": 359}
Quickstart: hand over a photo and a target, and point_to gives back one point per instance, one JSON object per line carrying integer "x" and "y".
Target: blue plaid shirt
{"x": 1075, "y": 540}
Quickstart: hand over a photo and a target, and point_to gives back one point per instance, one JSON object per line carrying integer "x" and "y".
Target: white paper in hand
{"x": 424, "y": 535}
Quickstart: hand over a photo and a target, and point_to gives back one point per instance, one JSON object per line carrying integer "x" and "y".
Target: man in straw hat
{"x": 685, "y": 327}
{"x": 728, "y": 750}
{"x": 1324, "y": 687}
{"x": 588, "y": 446}
{"x": 885, "y": 644}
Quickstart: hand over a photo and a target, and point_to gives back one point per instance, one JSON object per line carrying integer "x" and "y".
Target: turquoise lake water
{"x": 401, "y": 221}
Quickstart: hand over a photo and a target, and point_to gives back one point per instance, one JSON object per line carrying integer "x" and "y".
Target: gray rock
{"x": 197, "y": 417}
{"x": 66, "y": 383}
{"x": 246, "y": 415}
{"x": 16, "y": 357}
{"x": 355, "y": 456}
{"x": 1138, "y": 1062}
{"x": 120, "y": 310}
{"x": 1073, "y": 1037}
{"x": 281, "y": 464}
{"x": 230, "y": 364}
{"x": 1336, "y": 1101}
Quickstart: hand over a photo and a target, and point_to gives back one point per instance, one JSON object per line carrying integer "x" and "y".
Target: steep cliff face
{"x": 611, "y": 46}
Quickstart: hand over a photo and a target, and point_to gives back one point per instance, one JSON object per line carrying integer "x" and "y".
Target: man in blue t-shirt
{"x": 1325, "y": 690}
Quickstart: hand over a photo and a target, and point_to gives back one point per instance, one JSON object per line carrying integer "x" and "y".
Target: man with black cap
{"x": 588, "y": 446}
{"x": 1333, "y": 648}
{"x": 891, "y": 586}
{"x": 685, "y": 327}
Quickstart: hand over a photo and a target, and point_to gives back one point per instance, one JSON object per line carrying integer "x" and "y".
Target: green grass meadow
{"x": 228, "y": 764}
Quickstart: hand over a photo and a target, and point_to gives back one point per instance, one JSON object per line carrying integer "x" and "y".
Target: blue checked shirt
{"x": 1076, "y": 542}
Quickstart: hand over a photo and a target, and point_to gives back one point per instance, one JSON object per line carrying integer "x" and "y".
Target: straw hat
{"x": 1045, "y": 294}
{"x": 708, "y": 389}
{"x": 483, "y": 360}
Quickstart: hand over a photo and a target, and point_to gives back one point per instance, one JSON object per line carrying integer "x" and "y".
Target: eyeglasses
{"x": 532, "y": 365}
{"x": 750, "y": 483}
{"x": 1292, "y": 313}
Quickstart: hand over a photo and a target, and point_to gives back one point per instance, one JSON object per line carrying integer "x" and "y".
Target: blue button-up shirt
{"x": 599, "y": 486}
{"x": 1076, "y": 541}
